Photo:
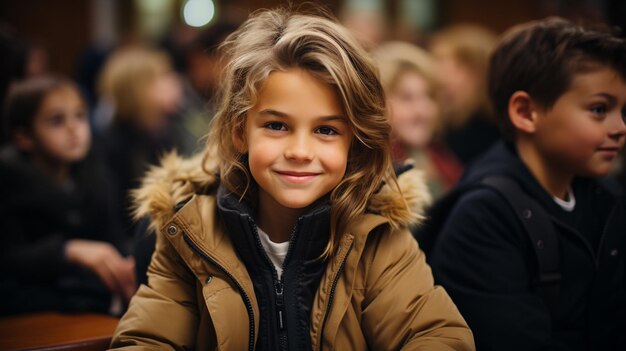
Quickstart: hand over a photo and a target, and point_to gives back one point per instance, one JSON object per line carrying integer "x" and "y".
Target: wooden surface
{"x": 55, "y": 331}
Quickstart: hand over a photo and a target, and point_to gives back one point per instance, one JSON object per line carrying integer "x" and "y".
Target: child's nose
{"x": 618, "y": 127}
{"x": 299, "y": 148}
{"x": 74, "y": 126}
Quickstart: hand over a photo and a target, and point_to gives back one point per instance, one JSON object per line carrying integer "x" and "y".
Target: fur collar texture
{"x": 177, "y": 179}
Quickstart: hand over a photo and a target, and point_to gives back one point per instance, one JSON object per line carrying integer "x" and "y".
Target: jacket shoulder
{"x": 404, "y": 205}
{"x": 168, "y": 186}
{"x": 478, "y": 216}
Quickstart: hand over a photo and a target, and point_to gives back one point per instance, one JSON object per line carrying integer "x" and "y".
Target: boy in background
{"x": 559, "y": 91}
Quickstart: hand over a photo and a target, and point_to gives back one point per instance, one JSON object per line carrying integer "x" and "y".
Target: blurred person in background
{"x": 61, "y": 248}
{"x": 462, "y": 55}
{"x": 200, "y": 77}
{"x": 366, "y": 24}
{"x": 144, "y": 94}
{"x": 18, "y": 59}
{"x": 411, "y": 85}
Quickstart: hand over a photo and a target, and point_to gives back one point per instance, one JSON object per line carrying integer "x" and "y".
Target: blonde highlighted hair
{"x": 471, "y": 46}
{"x": 279, "y": 40}
{"x": 126, "y": 80}
{"x": 395, "y": 58}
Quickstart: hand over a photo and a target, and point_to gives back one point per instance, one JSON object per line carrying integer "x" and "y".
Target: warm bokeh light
{"x": 198, "y": 13}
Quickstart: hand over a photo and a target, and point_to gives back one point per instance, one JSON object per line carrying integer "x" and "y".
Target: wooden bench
{"x": 56, "y": 331}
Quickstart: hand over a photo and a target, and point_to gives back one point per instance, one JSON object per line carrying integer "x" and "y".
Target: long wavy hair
{"x": 279, "y": 40}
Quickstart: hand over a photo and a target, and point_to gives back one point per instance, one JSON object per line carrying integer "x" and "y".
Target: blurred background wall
{"x": 63, "y": 30}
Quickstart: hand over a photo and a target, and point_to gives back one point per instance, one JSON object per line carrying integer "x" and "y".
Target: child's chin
{"x": 595, "y": 173}
{"x": 74, "y": 157}
{"x": 296, "y": 205}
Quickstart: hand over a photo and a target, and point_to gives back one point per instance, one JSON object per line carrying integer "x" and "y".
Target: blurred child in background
{"x": 462, "y": 56}
{"x": 144, "y": 93}
{"x": 60, "y": 249}
{"x": 412, "y": 89}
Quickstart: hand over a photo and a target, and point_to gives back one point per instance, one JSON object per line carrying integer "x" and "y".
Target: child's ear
{"x": 23, "y": 140}
{"x": 239, "y": 139}
{"x": 522, "y": 112}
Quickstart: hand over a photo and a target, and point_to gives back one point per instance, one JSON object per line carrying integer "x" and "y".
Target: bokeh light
{"x": 198, "y": 13}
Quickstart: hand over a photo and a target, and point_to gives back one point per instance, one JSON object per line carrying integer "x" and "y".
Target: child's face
{"x": 584, "y": 130}
{"x": 297, "y": 140}
{"x": 413, "y": 110}
{"x": 60, "y": 130}
{"x": 460, "y": 85}
{"x": 165, "y": 93}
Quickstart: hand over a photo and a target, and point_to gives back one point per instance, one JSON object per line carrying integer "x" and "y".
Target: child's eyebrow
{"x": 610, "y": 97}
{"x": 280, "y": 114}
{"x": 274, "y": 113}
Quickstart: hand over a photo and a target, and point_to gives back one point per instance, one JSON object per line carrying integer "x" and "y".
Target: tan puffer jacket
{"x": 377, "y": 291}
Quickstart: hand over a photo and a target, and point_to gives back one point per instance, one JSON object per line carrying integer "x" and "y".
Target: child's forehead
{"x": 63, "y": 94}
{"x": 297, "y": 90}
{"x": 66, "y": 90}
{"x": 598, "y": 80}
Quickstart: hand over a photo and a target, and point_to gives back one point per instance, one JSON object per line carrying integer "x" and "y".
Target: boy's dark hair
{"x": 541, "y": 58}
{"x": 26, "y": 97}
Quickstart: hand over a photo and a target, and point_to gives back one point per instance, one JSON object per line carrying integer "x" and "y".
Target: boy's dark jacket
{"x": 38, "y": 217}
{"x": 484, "y": 260}
{"x": 210, "y": 286}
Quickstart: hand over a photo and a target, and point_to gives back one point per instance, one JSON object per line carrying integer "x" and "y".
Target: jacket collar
{"x": 503, "y": 159}
{"x": 177, "y": 180}
{"x": 308, "y": 237}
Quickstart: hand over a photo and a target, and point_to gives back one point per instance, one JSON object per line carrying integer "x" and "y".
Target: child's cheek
{"x": 583, "y": 146}
{"x": 334, "y": 159}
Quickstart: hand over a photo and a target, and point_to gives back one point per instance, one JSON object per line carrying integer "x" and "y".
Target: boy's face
{"x": 414, "y": 112}
{"x": 297, "y": 140}
{"x": 60, "y": 130}
{"x": 584, "y": 130}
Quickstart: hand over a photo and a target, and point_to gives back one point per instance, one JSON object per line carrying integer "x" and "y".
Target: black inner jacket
{"x": 284, "y": 305}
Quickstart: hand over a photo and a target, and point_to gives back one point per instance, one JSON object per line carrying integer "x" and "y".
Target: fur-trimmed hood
{"x": 177, "y": 179}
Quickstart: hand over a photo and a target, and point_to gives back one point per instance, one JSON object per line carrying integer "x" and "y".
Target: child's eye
{"x": 598, "y": 110}
{"x": 275, "y": 126}
{"x": 327, "y": 131}
{"x": 56, "y": 120}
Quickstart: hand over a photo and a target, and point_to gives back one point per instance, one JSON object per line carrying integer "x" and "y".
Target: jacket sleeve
{"x": 482, "y": 259}
{"x": 162, "y": 315}
{"x": 402, "y": 308}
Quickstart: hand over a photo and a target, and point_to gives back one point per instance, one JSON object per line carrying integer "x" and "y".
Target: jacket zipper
{"x": 332, "y": 293}
{"x": 245, "y": 296}
{"x": 280, "y": 316}
{"x": 279, "y": 298}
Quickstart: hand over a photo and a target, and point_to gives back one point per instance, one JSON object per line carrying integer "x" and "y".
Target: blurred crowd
{"x": 74, "y": 148}
{"x": 72, "y": 151}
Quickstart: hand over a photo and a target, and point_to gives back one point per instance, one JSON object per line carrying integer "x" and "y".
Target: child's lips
{"x": 609, "y": 152}
{"x": 297, "y": 177}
